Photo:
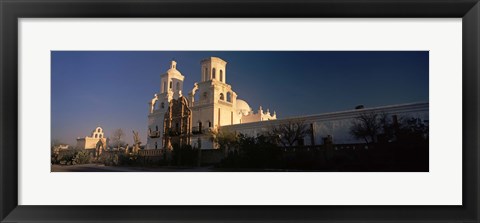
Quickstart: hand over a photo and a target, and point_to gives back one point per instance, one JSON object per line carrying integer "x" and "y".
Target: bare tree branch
{"x": 290, "y": 133}
{"x": 117, "y": 137}
{"x": 366, "y": 126}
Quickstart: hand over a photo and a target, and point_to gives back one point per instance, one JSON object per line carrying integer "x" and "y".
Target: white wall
{"x": 336, "y": 124}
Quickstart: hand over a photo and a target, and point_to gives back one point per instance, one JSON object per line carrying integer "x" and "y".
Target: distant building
{"x": 61, "y": 147}
{"x": 90, "y": 142}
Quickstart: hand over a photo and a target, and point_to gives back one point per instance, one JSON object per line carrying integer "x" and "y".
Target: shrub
{"x": 63, "y": 157}
{"x": 81, "y": 157}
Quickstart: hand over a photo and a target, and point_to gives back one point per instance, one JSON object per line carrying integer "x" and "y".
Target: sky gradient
{"x": 112, "y": 88}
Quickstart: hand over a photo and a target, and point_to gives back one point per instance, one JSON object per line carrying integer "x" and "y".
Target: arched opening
{"x": 178, "y": 86}
{"x": 222, "y": 97}
{"x": 229, "y": 97}
{"x": 98, "y": 130}
{"x": 200, "y": 127}
{"x": 156, "y": 145}
{"x": 205, "y": 75}
{"x": 213, "y": 73}
{"x": 162, "y": 105}
{"x": 171, "y": 84}
{"x": 209, "y": 124}
{"x": 96, "y": 135}
{"x": 205, "y": 95}
{"x": 221, "y": 75}
{"x": 156, "y": 128}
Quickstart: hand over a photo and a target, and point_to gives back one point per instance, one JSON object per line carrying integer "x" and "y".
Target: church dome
{"x": 173, "y": 72}
{"x": 243, "y": 107}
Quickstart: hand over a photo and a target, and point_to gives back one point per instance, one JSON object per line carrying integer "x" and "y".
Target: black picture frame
{"x": 11, "y": 11}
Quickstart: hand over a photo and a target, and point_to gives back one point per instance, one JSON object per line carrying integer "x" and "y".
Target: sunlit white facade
{"x": 212, "y": 100}
{"x": 215, "y": 105}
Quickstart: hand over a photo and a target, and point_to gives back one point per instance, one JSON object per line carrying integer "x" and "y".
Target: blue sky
{"x": 112, "y": 88}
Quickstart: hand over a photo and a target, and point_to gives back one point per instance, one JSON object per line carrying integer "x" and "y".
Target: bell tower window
{"x": 213, "y": 73}
{"x": 171, "y": 84}
{"x": 229, "y": 97}
{"x": 221, "y": 75}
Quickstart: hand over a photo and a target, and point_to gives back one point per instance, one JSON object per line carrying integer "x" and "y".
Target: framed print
{"x": 239, "y": 111}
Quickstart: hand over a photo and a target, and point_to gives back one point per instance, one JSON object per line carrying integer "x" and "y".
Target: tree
{"x": 413, "y": 130}
{"x": 117, "y": 137}
{"x": 225, "y": 139}
{"x": 289, "y": 133}
{"x": 366, "y": 126}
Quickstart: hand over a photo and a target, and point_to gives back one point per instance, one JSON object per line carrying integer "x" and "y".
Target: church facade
{"x": 90, "y": 142}
{"x": 212, "y": 104}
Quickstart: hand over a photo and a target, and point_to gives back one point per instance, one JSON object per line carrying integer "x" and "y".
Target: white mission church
{"x": 213, "y": 104}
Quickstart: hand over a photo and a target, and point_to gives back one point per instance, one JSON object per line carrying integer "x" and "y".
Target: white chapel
{"x": 212, "y": 101}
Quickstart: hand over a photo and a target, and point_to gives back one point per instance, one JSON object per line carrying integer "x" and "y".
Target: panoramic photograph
{"x": 239, "y": 111}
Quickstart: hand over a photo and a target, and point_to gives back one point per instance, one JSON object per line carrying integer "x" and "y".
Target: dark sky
{"x": 112, "y": 88}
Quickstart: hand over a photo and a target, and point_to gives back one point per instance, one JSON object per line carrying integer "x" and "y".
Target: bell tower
{"x": 213, "y": 68}
{"x": 171, "y": 82}
{"x": 171, "y": 85}
{"x": 213, "y": 100}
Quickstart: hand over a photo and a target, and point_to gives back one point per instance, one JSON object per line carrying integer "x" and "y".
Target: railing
{"x": 173, "y": 133}
{"x": 151, "y": 152}
{"x": 154, "y": 134}
{"x": 196, "y": 130}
